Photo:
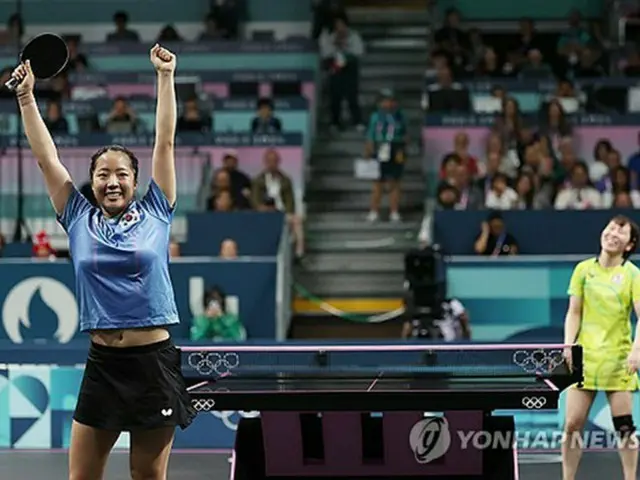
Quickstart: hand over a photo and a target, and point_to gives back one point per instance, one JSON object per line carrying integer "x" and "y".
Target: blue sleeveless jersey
{"x": 122, "y": 266}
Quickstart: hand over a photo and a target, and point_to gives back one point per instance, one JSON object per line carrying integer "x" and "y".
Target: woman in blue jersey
{"x": 132, "y": 380}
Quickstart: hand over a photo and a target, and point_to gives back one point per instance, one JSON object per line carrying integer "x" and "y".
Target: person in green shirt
{"x": 216, "y": 323}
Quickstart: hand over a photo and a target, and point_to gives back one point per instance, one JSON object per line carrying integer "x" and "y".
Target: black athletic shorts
{"x": 135, "y": 388}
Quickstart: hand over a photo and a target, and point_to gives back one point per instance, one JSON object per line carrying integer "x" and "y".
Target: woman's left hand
{"x": 633, "y": 361}
{"x": 163, "y": 60}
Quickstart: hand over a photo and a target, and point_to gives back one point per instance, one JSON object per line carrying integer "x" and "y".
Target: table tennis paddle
{"x": 48, "y": 55}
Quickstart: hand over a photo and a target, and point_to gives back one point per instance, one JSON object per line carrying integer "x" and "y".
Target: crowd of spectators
{"x": 530, "y": 161}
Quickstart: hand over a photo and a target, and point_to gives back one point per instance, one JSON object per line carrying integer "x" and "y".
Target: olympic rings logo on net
{"x": 228, "y": 417}
{"x": 534, "y": 403}
{"x": 206, "y": 363}
{"x": 538, "y": 360}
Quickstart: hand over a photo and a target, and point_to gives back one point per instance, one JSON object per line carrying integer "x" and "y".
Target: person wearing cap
{"x": 386, "y": 141}
{"x": 494, "y": 240}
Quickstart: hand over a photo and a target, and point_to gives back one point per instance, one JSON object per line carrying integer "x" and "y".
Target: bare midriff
{"x": 129, "y": 337}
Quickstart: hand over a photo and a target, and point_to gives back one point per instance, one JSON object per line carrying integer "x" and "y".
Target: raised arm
{"x": 56, "y": 176}
{"x": 164, "y": 166}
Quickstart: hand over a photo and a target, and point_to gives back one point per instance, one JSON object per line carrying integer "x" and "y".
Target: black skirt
{"x": 136, "y": 388}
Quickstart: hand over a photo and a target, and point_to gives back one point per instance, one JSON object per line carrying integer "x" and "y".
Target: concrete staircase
{"x": 351, "y": 264}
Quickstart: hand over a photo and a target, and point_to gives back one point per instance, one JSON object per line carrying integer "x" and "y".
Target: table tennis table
{"x": 396, "y": 411}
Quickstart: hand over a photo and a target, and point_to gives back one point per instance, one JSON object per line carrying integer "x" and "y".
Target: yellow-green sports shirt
{"x": 608, "y": 295}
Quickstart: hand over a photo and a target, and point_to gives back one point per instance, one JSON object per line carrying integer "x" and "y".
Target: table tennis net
{"x": 488, "y": 363}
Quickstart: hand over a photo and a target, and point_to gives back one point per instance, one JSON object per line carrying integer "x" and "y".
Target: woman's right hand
{"x": 24, "y": 75}
{"x": 568, "y": 359}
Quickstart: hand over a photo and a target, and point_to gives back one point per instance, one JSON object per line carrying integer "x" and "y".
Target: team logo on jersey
{"x": 617, "y": 278}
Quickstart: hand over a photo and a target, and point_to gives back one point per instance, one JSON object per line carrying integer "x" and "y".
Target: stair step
{"x": 405, "y": 72}
{"x": 412, "y": 44}
{"x": 359, "y": 16}
{"x": 341, "y": 185}
{"x": 358, "y": 218}
{"x": 394, "y": 58}
{"x": 329, "y": 284}
{"x": 385, "y": 30}
{"x": 313, "y": 225}
{"x": 392, "y": 262}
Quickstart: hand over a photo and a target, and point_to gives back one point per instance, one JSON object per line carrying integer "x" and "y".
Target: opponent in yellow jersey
{"x": 602, "y": 294}
{"x": 608, "y": 296}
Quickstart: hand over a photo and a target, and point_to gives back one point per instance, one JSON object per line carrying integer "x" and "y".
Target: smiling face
{"x": 617, "y": 238}
{"x": 113, "y": 182}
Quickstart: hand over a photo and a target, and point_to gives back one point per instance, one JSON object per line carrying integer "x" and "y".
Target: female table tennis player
{"x": 132, "y": 380}
{"x": 603, "y": 291}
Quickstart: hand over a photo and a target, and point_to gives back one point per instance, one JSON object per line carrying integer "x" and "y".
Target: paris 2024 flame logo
{"x": 56, "y": 301}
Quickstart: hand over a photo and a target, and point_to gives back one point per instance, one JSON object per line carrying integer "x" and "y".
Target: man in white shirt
{"x": 580, "y": 193}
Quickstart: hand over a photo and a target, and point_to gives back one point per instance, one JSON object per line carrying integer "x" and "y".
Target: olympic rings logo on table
{"x": 207, "y": 363}
{"x": 534, "y": 403}
{"x": 538, "y": 360}
{"x": 228, "y": 417}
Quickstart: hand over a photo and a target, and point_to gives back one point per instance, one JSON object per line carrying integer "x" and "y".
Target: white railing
{"x": 283, "y": 284}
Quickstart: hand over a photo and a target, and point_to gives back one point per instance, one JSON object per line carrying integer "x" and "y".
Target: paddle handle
{"x": 12, "y": 83}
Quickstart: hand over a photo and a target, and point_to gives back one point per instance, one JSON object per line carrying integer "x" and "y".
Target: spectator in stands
{"x": 212, "y": 31}
{"x": 386, "y": 141}
{"x": 445, "y": 95}
{"x": 122, "y": 119}
{"x": 228, "y": 249}
{"x": 3, "y": 243}
{"x": 222, "y": 201}
{"x": 122, "y": 32}
{"x": 574, "y": 40}
{"x": 534, "y": 68}
{"x": 236, "y": 199}
{"x": 341, "y": 51}
{"x": 240, "y": 183}
{"x": 494, "y": 239}
{"x": 55, "y": 121}
{"x": 579, "y": 194}
{"x": 193, "y": 119}
{"x": 565, "y": 89}
{"x": 598, "y": 168}
{"x": 528, "y": 40}
{"x": 489, "y": 66}
{"x": 273, "y": 183}
{"x": 490, "y": 167}
{"x": 587, "y": 67}
{"x": 228, "y": 14}
{"x": 555, "y": 125}
{"x": 508, "y": 163}
{"x": 470, "y": 197}
{"x": 567, "y": 160}
{"x": 448, "y": 168}
{"x": 529, "y": 198}
{"x": 477, "y": 49}
{"x": 78, "y": 62}
{"x": 448, "y": 196}
{"x": 620, "y": 183}
{"x": 324, "y": 14}
{"x": 265, "y": 123}
{"x": 174, "y": 249}
{"x": 633, "y": 163}
{"x": 452, "y": 40}
{"x": 217, "y": 323}
{"x": 461, "y": 149}
{"x": 42, "y": 246}
{"x": 501, "y": 196}
{"x": 509, "y": 124}
{"x": 15, "y": 29}
{"x": 169, "y": 34}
